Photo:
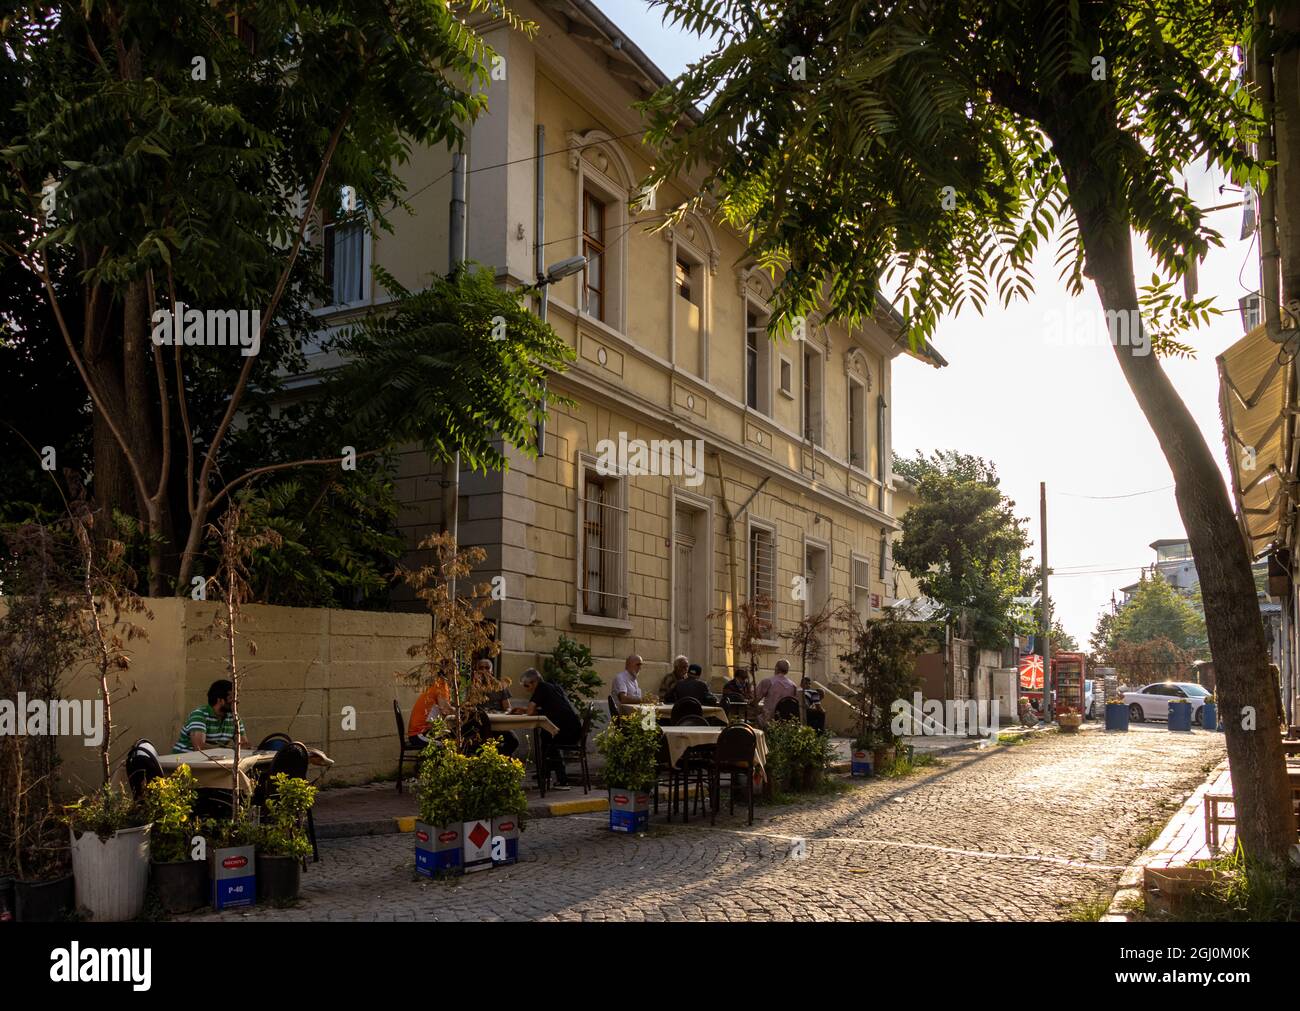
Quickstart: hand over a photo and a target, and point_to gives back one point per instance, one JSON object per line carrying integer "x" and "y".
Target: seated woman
{"x": 434, "y": 702}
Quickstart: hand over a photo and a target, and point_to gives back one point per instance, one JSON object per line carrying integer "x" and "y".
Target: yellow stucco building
{"x": 669, "y": 327}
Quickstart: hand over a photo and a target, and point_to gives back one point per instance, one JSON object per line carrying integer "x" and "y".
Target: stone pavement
{"x": 1008, "y": 832}
{"x": 378, "y": 809}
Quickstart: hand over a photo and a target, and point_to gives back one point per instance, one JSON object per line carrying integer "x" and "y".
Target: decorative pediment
{"x": 601, "y": 150}
{"x": 752, "y": 280}
{"x": 856, "y": 364}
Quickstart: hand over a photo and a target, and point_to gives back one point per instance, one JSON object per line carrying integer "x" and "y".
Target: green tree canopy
{"x": 963, "y": 543}
{"x": 152, "y": 154}
{"x": 1157, "y": 611}
{"x": 929, "y": 148}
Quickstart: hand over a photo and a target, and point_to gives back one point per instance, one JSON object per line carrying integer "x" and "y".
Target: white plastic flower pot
{"x": 111, "y": 874}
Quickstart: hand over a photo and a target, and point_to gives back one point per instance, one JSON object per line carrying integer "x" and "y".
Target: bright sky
{"x": 1052, "y": 412}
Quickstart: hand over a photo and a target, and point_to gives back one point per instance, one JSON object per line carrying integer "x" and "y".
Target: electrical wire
{"x": 1135, "y": 494}
{"x": 516, "y": 161}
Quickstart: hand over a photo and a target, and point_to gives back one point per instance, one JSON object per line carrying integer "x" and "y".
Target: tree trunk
{"x": 1247, "y": 699}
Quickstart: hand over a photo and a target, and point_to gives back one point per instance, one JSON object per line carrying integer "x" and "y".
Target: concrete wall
{"x": 309, "y": 664}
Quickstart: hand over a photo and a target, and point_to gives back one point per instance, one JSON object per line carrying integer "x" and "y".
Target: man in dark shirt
{"x": 550, "y": 701}
{"x": 692, "y": 687}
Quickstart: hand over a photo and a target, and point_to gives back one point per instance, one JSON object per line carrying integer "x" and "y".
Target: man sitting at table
{"x": 550, "y": 701}
{"x": 772, "y": 690}
{"x": 434, "y": 701}
{"x": 626, "y": 690}
{"x": 693, "y": 687}
{"x": 211, "y": 726}
{"x": 673, "y": 677}
{"x": 738, "y": 689}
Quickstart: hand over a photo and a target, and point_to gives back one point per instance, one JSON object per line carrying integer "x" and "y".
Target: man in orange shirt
{"x": 433, "y": 702}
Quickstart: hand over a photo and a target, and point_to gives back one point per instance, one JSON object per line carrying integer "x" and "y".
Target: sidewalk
{"x": 1181, "y": 843}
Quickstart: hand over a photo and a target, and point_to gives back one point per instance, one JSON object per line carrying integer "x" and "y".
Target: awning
{"x": 1253, "y": 384}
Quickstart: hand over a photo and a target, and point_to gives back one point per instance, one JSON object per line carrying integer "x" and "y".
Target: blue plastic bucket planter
{"x": 1180, "y": 716}
{"x": 1116, "y": 716}
{"x": 1210, "y": 716}
{"x": 859, "y": 763}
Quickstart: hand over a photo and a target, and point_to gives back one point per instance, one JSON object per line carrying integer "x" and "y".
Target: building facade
{"x": 700, "y": 463}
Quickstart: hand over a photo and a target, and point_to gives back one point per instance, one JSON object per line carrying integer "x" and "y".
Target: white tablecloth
{"x": 211, "y": 766}
{"x": 506, "y": 721}
{"x": 681, "y": 738}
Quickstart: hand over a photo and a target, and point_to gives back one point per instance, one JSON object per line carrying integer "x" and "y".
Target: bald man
{"x": 627, "y": 690}
{"x": 772, "y": 690}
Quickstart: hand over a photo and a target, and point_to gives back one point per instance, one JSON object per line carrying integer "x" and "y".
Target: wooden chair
{"x": 1215, "y": 818}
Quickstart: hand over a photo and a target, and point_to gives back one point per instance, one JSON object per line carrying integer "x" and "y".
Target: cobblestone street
{"x": 1010, "y": 832}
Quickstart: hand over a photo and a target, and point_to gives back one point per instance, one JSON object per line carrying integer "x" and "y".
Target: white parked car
{"x": 1152, "y": 702}
{"x": 1089, "y": 699}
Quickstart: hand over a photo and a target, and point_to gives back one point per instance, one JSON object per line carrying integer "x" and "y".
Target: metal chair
{"x": 141, "y": 766}
{"x": 404, "y": 742}
{"x": 691, "y": 720}
{"x": 734, "y": 755}
{"x": 274, "y": 742}
{"x": 786, "y": 709}
{"x": 577, "y": 751}
{"x": 664, "y": 768}
{"x": 613, "y": 707}
{"x": 292, "y": 760}
{"x": 683, "y": 708}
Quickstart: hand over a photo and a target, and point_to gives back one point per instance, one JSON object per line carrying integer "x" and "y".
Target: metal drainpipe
{"x": 539, "y": 263}
{"x": 1259, "y": 69}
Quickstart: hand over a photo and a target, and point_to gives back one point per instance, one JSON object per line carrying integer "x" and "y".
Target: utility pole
{"x": 1047, "y": 606}
{"x": 456, "y": 257}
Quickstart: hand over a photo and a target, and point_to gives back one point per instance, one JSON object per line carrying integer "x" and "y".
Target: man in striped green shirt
{"x": 211, "y": 726}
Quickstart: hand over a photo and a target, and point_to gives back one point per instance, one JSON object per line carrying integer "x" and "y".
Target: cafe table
{"x": 211, "y": 766}
{"x": 664, "y": 711}
{"x": 681, "y": 738}
{"x": 501, "y": 722}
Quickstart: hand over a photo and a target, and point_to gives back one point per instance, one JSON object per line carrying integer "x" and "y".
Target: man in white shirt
{"x": 627, "y": 690}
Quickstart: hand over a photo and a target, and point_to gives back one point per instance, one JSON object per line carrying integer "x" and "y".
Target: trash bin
{"x": 1210, "y": 716}
{"x": 1180, "y": 716}
{"x": 1116, "y": 716}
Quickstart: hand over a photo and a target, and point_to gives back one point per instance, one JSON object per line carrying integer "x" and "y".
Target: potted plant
{"x": 630, "y": 748}
{"x": 571, "y": 669}
{"x": 1210, "y": 713}
{"x": 232, "y": 859}
{"x": 44, "y": 891}
{"x": 178, "y": 871}
{"x": 1116, "y": 713}
{"x": 282, "y": 841}
{"x": 438, "y": 789}
{"x": 881, "y": 665}
{"x": 1068, "y": 718}
{"x": 860, "y": 754}
{"x": 493, "y": 798}
{"x": 110, "y": 854}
